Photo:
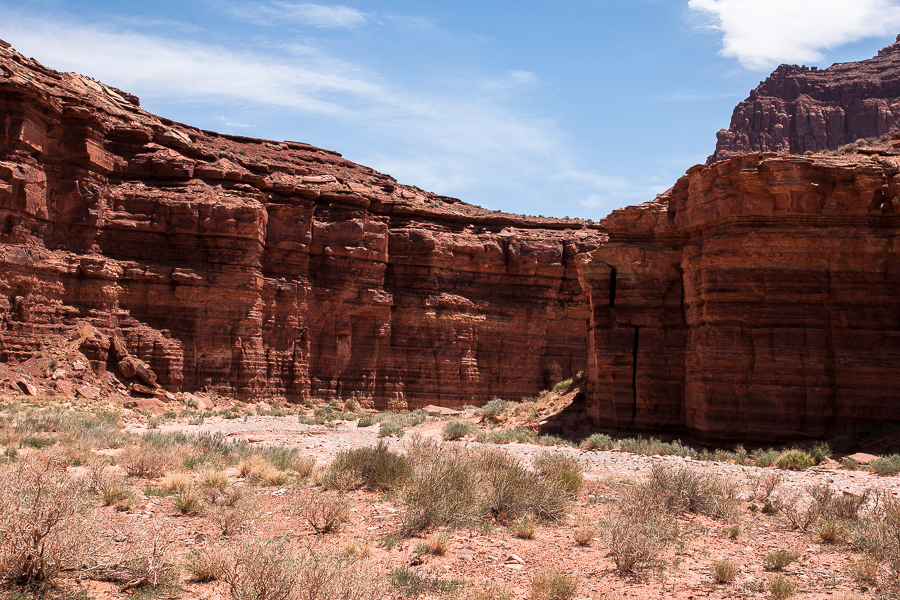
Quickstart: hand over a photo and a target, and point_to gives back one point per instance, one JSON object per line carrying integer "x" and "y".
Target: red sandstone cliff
{"x": 758, "y": 301}
{"x": 797, "y": 109}
{"x": 253, "y": 267}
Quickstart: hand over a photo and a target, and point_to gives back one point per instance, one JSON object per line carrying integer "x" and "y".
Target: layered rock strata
{"x": 260, "y": 268}
{"x": 799, "y": 109}
{"x": 758, "y": 300}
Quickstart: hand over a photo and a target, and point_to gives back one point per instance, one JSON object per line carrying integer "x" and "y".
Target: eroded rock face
{"x": 798, "y": 109}
{"x": 759, "y": 300}
{"x": 256, "y": 268}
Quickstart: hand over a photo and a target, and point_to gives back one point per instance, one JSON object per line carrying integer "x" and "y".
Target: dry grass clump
{"x": 146, "y": 462}
{"x": 794, "y": 460}
{"x": 177, "y": 482}
{"x": 585, "y": 533}
{"x": 831, "y": 515}
{"x": 376, "y": 467}
{"x": 455, "y": 430}
{"x": 442, "y": 489}
{"x": 265, "y": 570}
{"x": 781, "y": 588}
{"x": 43, "y": 529}
{"x": 231, "y": 510}
{"x": 680, "y": 490}
{"x": 562, "y": 466}
{"x": 553, "y": 584}
{"x": 260, "y": 471}
{"x": 511, "y": 490}
{"x": 492, "y": 590}
{"x": 865, "y": 571}
{"x": 724, "y": 571}
{"x": 637, "y": 534}
{"x": 437, "y": 544}
{"x": 146, "y": 559}
{"x": 324, "y": 512}
{"x": 779, "y": 559}
{"x": 524, "y": 527}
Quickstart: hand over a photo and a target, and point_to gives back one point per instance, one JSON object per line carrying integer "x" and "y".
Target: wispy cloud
{"x": 302, "y": 13}
{"x": 465, "y": 142}
{"x": 764, "y": 33}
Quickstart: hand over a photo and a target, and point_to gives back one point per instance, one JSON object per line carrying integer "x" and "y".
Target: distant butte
{"x": 799, "y": 109}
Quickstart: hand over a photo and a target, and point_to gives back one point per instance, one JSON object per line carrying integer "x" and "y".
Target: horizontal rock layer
{"x": 759, "y": 300}
{"x": 259, "y": 268}
{"x": 798, "y": 109}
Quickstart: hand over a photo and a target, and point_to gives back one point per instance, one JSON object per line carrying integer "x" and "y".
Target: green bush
{"x": 366, "y": 420}
{"x": 455, "y": 430}
{"x": 886, "y": 465}
{"x": 679, "y": 490}
{"x": 598, "y": 441}
{"x": 494, "y": 408}
{"x": 794, "y": 460}
{"x": 388, "y": 429}
{"x": 374, "y": 467}
{"x": 765, "y": 458}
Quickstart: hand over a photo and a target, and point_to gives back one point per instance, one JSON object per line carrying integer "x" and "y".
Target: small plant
{"x": 114, "y": 492}
{"x": 177, "y": 482}
{"x": 779, "y": 559}
{"x": 765, "y": 458}
{"x": 553, "y": 584}
{"x": 494, "y": 408}
{"x": 203, "y": 565}
{"x": 585, "y": 533}
{"x": 437, "y": 544}
{"x": 375, "y": 467}
{"x": 832, "y": 531}
{"x": 413, "y": 583}
{"x": 794, "y": 460}
{"x": 886, "y": 465}
{"x": 325, "y": 513}
{"x": 366, "y": 420}
{"x": 524, "y": 527}
{"x": 231, "y": 510}
{"x": 849, "y": 464}
{"x": 865, "y": 570}
{"x": 598, "y": 441}
{"x": 724, "y": 571}
{"x": 781, "y": 588}
{"x": 187, "y": 501}
{"x": 258, "y": 470}
{"x": 145, "y": 461}
{"x": 388, "y": 429}
{"x": 637, "y": 535}
{"x": 455, "y": 430}
{"x": 733, "y": 532}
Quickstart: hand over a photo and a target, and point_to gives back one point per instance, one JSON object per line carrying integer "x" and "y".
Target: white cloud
{"x": 764, "y": 33}
{"x": 457, "y": 142}
{"x": 305, "y": 13}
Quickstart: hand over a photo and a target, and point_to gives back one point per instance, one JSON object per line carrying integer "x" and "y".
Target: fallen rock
{"x": 89, "y": 392}
{"x": 27, "y": 387}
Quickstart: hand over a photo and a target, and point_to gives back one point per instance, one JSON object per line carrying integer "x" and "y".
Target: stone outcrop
{"x": 799, "y": 109}
{"x": 260, "y": 268}
{"x": 758, "y": 300}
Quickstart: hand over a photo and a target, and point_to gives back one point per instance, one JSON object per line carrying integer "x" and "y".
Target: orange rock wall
{"x": 258, "y": 268}
{"x": 759, "y": 300}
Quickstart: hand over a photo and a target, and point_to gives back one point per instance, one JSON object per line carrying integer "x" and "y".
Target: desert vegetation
{"x": 96, "y": 503}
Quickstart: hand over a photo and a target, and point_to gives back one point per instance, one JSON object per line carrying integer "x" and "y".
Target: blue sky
{"x": 562, "y": 109}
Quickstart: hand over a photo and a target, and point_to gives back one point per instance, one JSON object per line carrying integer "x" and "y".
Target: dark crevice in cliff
{"x": 634, "y": 355}
{"x": 612, "y": 287}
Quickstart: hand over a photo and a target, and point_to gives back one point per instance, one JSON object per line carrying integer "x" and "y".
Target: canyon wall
{"x": 799, "y": 109}
{"x": 259, "y": 268}
{"x": 758, "y": 300}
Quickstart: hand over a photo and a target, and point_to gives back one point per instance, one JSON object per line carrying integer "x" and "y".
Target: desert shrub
{"x": 388, "y": 429}
{"x": 865, "y": 570}
{"x": 765, "y": 458}
{"x": 511, "y": 490}
{"x": 494, "y": 408}
{"x": 820, "y": 452}
{"x": 598, "y": 441}
{"x": 507, "y": 436}
{"x": 442, "y": 491}
{"x": 187, "y": 501}
{"x": 114, "y": 491}
{"x": 412, "y": 583}
{"x": 764, "y": 484}
{"x": 281, "y": 457}
{"x": 832, "y": 531}
{"x": 781, "y": 588}
{"x": 562, "y": 467}
{"x": 146, "y": 559}
{"x": 258, "y": 470}
{"x": 524, "y": 527}
{"x": 176, "y": 482}
{"x": 230, "y": 509}
{"x": 375, "y": 467}
{"x": 212, "y": 482}
{"x": 638, "y": 532}
{"x": 437, "y": 544}
{"x": 849, "y": 464}
{"x": 366, "y": 420}
{"x": 724, "y": 571}
{"x": 257, "y": 570}
{"x": 203, "y": 565}
{"x": 680, "y": 490}
{"x": 553, "y": 584}
{"x": 455, "y": 430}
{"x": 794, "y": 460}
{"x": 654, "y": 446}
{"x": 325, "y": 513}
{"x": 886, "y": 465}
{"x": 303, "y": 465}
{"x": 491, "y": 590}
{"x": 585, "y": 533}
{"x": 42, "y": 527}
{"x": 148, "y": 462}
{"x": 322, "y": 576}
{"x": 824, "y": 507}
{"x": 779, "y": 559}
{"x": 733, "y": 532}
